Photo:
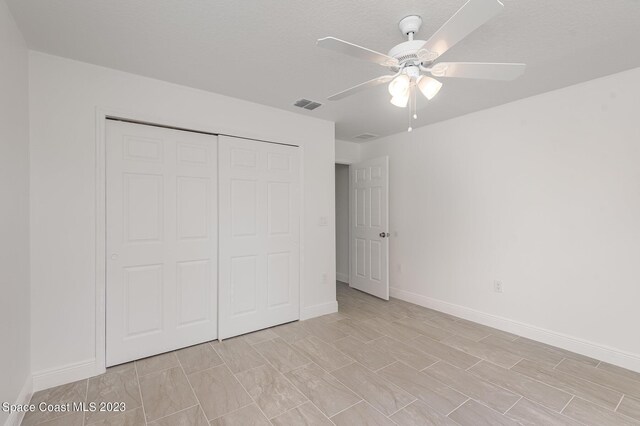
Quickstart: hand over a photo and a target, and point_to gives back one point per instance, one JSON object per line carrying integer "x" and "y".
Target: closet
{"x": 202, "y": 238}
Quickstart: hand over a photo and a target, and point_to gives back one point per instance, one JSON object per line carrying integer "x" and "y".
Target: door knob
{"x": 384, "y": 234}
{"x": 114, "y": 256}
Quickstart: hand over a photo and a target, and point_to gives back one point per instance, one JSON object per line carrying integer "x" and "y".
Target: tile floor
{"x": 373, "y": 363}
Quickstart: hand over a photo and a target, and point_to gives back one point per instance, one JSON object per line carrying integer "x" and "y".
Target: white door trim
{"x": 346, "y": 163}
{"x": 101, "y": 115}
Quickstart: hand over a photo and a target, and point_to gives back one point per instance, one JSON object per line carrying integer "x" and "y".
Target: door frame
{"x": 102, "y": 114}
{"x": 348, "y": 163}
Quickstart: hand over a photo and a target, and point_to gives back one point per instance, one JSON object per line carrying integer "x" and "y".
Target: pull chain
{"x": 412, "y": 106}
{"x": 411, "y": 95}
{"x": 415, "y": 103}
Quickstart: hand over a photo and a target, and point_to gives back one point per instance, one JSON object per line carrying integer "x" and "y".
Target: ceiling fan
{"x": 412, "y": 60}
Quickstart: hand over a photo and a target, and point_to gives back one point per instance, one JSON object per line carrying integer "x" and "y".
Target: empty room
{"x": 218, "y": 213}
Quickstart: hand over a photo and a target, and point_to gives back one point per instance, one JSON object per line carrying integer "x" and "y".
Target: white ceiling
{"x": 264, "y": 50}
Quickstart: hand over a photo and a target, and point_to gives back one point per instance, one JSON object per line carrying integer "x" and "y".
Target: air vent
{"x": 307, "y": 104}
{"x": 365, "y": 136}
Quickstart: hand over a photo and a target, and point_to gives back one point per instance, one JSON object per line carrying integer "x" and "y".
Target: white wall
{"x": 14, "y": 214}
{"x": 542, "y": 194}
{"x": 347, "y": 152}
{"x": 342, "y": 223}
{"x": 63, "y": 101}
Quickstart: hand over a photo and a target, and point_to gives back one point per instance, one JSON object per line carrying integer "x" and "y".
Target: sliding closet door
{"x": 162, "y": 240}
{"x": 259, "y": 200}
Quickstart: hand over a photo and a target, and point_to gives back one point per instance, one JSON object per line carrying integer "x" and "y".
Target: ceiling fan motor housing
{"x": 407, "y": 51}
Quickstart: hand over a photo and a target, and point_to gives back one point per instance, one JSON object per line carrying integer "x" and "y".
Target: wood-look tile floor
{"x": 372, "y": 363}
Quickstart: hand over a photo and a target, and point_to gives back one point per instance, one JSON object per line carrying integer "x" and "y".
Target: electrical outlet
{"x": 399, "y": 267}
{"x": 497, "y": 286}
{"x": 324, "y": 278}
{"x": 324, "y": 221}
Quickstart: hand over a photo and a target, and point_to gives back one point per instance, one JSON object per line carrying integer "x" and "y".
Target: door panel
{"x": 259, "y": 235}
{"x": 369, "y": 223}
{"x": 278, "y": 280}
{"x": 143, "y": 197}
{"x": 243, "y": 285}
{"x": 244, "y": 202}
{"x": 193, "y": 291}
{"x": 161, "y": 240}
{"x": 143, "y": 300}
{"x": 194, "y": 208}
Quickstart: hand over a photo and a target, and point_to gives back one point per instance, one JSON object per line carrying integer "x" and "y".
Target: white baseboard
{"x": 66, "y": 374}
{"x": 574, "y": 344}
{"x": 342, "y": 277}
{"x": 15, "y": 418}
{"x": 318, "y": 310}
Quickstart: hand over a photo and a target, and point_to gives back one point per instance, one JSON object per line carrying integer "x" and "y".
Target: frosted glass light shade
{"x": 401, "y": 101}
{"x": 399, "y": 85}
{"x": 429, "y": 86}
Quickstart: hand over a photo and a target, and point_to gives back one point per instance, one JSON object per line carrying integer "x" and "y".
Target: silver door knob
{"x": 114, "y": 256}
{"x": 384, "y": 234}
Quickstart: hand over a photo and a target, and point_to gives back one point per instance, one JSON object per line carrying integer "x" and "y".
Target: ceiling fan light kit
{"x": 411, "y": 60}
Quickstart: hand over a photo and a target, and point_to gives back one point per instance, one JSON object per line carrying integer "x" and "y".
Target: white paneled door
{"x": 259, "y": 198}
{"x": 369, "y": 226}
{"x": 161, "y": 240}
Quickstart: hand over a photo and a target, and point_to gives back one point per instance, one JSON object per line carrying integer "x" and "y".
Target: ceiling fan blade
{"x": 479, "y": 70}
{"x": 467, "y": 19}
{"x": 360, "y": 87}
{"x": 356, "y": 51}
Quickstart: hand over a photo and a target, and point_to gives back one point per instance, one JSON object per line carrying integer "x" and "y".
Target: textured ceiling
{"x": 264, "y": 50}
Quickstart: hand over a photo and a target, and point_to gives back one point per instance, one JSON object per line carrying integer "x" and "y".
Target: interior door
{"x": 369, "y": 225}
{"x": 161, "y": 240}
{"x": 259, "y": 235}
